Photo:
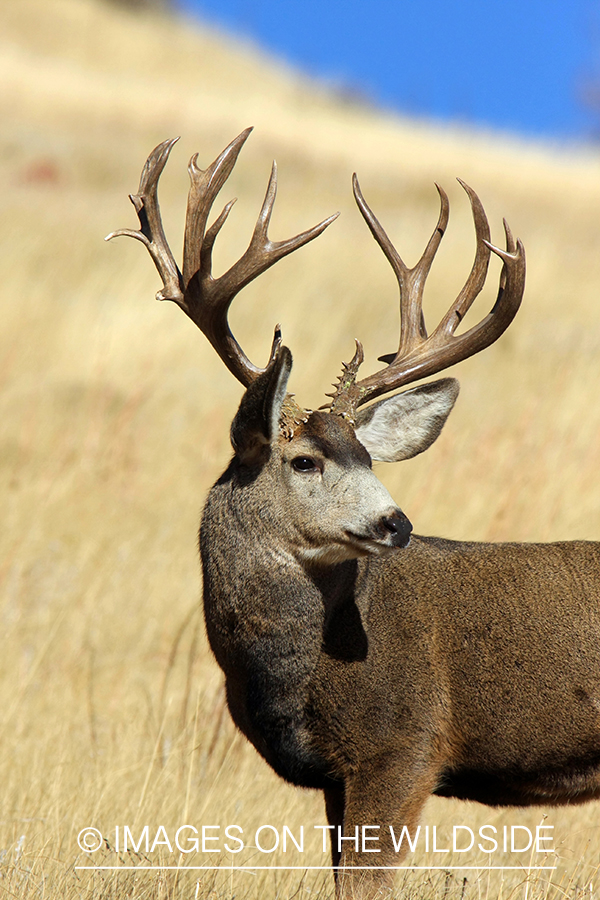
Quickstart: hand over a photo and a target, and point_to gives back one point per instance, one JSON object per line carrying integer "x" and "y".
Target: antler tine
{"x": 411, "y": 281}
{"x": 205, "y": 184}
{"x": 205, "y": 299}
{"x": 474, "y": 283}
{"x": 262, "y": 253}
{"x": 418, "y": 355}
{"x": 151, "y": 232}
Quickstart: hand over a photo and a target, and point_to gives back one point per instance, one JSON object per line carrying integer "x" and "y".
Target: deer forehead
{"x": 328, "y": 436}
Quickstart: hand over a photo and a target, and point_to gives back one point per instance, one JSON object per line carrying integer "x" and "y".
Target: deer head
{"x": 325, "y": 454}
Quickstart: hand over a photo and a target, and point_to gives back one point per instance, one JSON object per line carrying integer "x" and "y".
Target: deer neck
{"x": 267, "y": 618}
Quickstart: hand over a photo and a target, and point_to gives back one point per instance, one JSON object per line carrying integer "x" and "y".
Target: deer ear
{"x": 406, "y": 424}
{"x": 257, "y": 420}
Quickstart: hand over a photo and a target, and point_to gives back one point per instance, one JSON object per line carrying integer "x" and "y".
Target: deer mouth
{"x": 376, "y": 545}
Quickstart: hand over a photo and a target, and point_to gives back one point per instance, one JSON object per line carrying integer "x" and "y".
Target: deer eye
{"x": 304, "y": 464}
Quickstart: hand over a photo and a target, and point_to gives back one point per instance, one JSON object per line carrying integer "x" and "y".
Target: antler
{"x": 418, "y": 354}
{"x": 205, "y": 299}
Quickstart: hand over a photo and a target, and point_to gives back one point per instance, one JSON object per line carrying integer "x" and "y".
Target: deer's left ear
{"x": 406, "y": 424}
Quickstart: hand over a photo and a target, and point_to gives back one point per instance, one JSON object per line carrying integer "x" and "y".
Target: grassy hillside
{"x": 114, "y": 419}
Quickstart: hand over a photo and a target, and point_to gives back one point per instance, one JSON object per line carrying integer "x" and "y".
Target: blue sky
{"x": 521, "y": 66}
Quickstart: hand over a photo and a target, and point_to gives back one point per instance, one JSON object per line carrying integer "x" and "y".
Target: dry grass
{"x": 114, "y": 418}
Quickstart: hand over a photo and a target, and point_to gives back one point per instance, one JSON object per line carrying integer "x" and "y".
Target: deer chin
{"x": 354, "y": 547}
{"x": 369, "y": 545}
{"x": 330, "y": 555}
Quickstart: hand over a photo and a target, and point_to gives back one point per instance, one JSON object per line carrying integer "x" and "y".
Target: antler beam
{"x": 204, "y": 298}
{"x": 418, "y": 354}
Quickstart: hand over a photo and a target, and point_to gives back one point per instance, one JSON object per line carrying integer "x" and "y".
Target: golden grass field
{"x": 114, "y": 417}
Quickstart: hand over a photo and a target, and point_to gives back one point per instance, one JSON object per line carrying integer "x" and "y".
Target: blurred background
{"x": 114, "y": 412}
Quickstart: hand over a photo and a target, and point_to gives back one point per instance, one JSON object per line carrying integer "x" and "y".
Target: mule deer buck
{"x": 377, "y": 666}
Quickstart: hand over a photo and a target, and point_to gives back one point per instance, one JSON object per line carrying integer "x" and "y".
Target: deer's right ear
{"x": 256, "y": 422}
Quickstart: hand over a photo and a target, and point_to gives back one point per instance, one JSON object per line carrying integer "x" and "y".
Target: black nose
{"x": 399, "y": 527}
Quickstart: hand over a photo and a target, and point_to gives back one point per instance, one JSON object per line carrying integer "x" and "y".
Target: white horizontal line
{"x": 308, "y": 868}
